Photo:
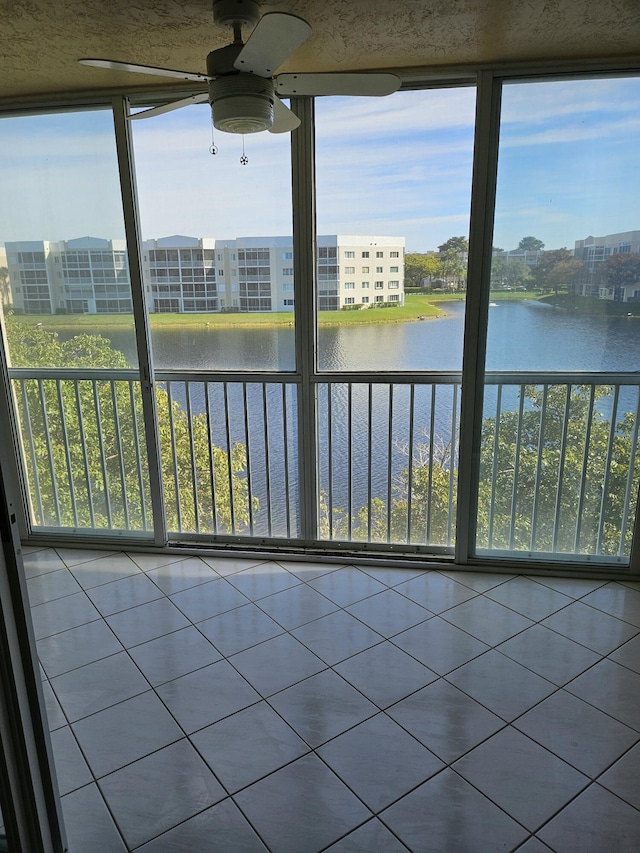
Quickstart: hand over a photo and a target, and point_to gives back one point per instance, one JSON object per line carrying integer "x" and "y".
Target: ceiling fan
{"x": 243, "y": 93}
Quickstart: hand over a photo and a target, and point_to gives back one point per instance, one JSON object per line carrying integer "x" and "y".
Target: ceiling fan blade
{"x": 173, "y": 105}
{"x": 284, "y": 121}
{"x": 374, "y": 85}
{"x": 115, "y": 65}
{"x": 274, "y": 38}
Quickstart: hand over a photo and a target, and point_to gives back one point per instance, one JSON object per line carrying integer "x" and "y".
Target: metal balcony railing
{"x": 558, "y": 472}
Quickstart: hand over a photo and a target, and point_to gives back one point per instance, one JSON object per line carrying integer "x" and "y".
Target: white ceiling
{"x": 42, "y": 39}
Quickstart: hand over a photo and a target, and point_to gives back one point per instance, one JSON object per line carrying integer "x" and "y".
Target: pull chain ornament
{"x": 213, "y": 148}
{"x": 244, "y": 159}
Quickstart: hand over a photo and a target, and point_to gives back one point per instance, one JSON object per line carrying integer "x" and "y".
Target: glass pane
{"x": 560, "y": 459}
{"x": 393, "y": 187}
{"x": 218, "y": 267}
{"x": 218, "y": 250}
{"x": 67, "y": 306}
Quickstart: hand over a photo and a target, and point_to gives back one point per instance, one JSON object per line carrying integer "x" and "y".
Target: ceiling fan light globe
{"x": 242, "y": 114}
{"x": 241, "y": 104}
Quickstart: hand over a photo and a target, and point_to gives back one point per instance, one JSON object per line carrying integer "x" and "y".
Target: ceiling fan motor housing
{"x": 241, "y": 103}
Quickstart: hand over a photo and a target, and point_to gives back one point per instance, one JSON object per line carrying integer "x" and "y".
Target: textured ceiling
{"x": 42, "y": 39}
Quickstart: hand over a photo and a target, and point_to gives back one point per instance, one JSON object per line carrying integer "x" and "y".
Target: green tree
{"x": 452, "y": 269}
{"x": 619, "y": 271}
{"x": 543, "y": 273}
{"x": 84, "y": 445}
{"x": 530, "y": 244}
{"x": 418, "y": 266}
{"x": 508, "y": 273}
{"x": 458, "y": 244}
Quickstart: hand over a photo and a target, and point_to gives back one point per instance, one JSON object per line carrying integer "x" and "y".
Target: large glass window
{"x": 68, "y": 324}
{"x": 393, "y": 190}
{"x": 559, "y": 456}
{"x": 217, "y": 262}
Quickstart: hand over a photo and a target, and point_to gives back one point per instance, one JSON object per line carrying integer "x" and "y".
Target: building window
{"x": 287, "y": 256}
{"x": 349, "y": 270}
{"x": 379, "y": 285}
{"x": 365, "y": 299}
{"x": 379, "y": 298}
{"x": 350, "y": 300}
{"x": 379, "y": 254}
{"x": 394, "y": 297}
{"x": 287, "y": 287}
{"x": 287, "y": 271}
{"x": 365, "y": 285}
{"x": 365, "y": 269}
{"x": 393, "y": 285}
{"x": 349, "y": 254}
{"x": 288, "y": 302}
{"x": 394, "y": 254}
{"x": 220, "y": 273}
{"x": 349, "y": 285}
{"x": 379, "y": 269}
{"x": 393, "y": 269}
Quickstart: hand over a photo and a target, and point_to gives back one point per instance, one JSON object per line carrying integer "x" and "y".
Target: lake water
{"x": 523, "y": 335}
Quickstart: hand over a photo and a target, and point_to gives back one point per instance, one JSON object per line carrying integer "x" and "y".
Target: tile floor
{"x": 217, "y": 704}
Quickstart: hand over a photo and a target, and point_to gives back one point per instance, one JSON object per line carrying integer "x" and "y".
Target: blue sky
{"x": 569, "y": 166}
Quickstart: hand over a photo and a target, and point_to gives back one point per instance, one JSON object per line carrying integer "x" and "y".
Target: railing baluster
{"x": 174, "y": 458}
{"x": 369, "y": 461}
{"x": 350, "y": 459}
{"x": 285, "y": 436}
{"x": 563, "y": 452}
{"x": 330, "y": 456}
{"x": 536, "y": 491}
{"x": 232, "y": 496}
{"x": 432, "y": 432}
{"x": 247, "y": 441}
{"x": 123, "y": 479}
{"x": 50, "y": 460}
{"x": 585, "y": 468}
{"x": 212, "y": 467}
{"x": 628, "y": 497}
{"x": 412, "y": 406}
{"x": 516, "y": 471}
{"x": 391, "y": 387}
{"x": 103, "y": 459}
{"x": 494, "y": 473}
{"x": 607, "y": 467}
{"x": 267, "y": 460}
{"x": 67, "y": 454}
{"x": 32, "y": 448}
{"x": 454, "y": 428}
{"x": 138, "y": 454}
{"x": 85, "y": 457}
{"x": 194, "y": 468}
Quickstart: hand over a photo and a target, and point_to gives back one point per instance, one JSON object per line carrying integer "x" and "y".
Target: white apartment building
{"x": 188, "y": 274}
{"x": 180, "y": 275}
{"x": 593, "y": 251}
{"x": 88, "y": 275}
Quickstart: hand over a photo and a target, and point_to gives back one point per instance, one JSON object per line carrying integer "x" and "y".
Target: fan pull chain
{"x": 244, "y": 159}
{"x": 213, "y": 148}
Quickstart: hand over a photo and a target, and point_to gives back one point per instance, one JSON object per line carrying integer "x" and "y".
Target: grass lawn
{"x": 417, "y": 306}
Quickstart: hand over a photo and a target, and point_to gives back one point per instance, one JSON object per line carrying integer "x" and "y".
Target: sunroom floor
{"x": 210, "y": 703}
